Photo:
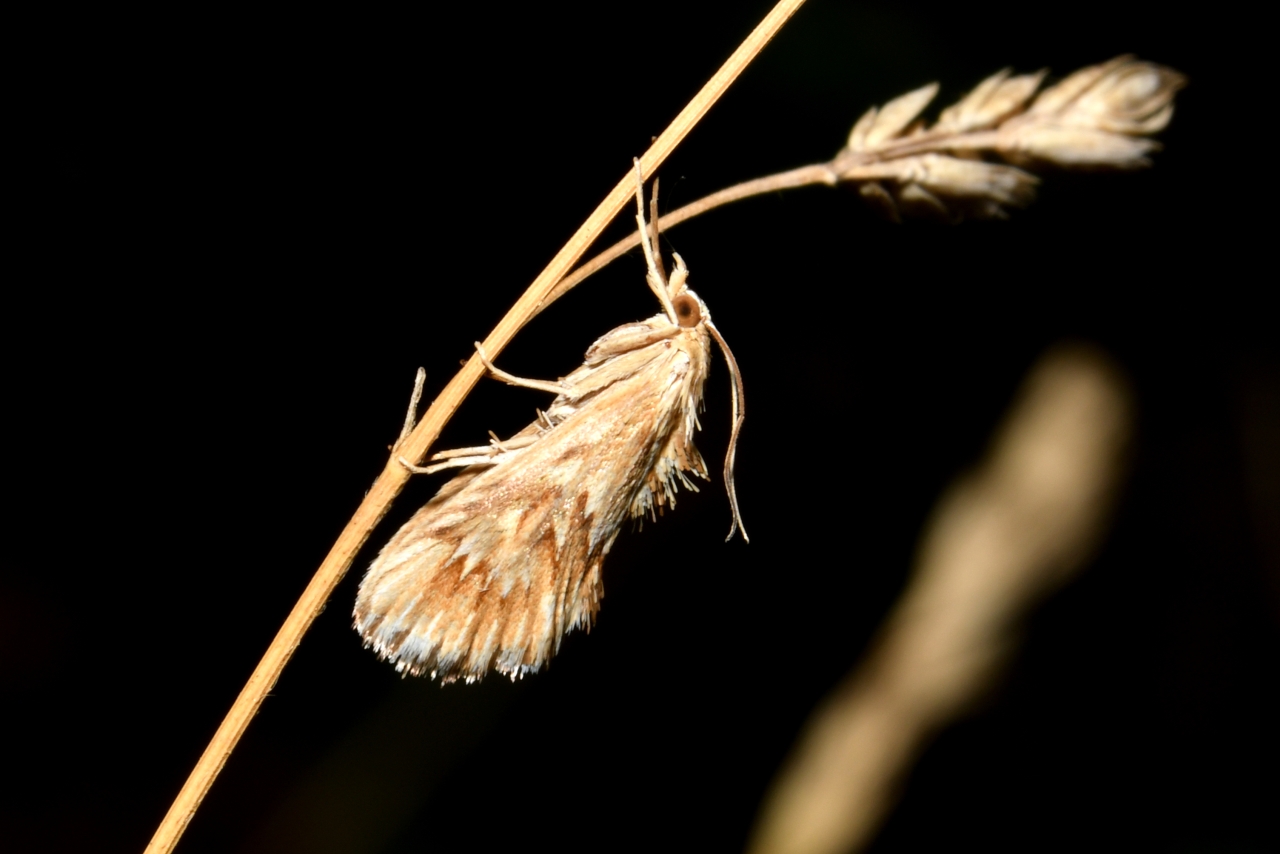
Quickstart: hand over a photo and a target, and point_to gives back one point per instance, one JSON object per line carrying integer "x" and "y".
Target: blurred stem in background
{"x": 1002, "y": 538}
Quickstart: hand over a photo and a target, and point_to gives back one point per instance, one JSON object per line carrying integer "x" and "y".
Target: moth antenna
{"x": 739, "y": 415}
{"x": 655, "y": 234}
{"x": 657, "y": 281}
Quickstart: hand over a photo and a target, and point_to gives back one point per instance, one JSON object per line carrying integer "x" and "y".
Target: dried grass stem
{"x": 818, "y": 173}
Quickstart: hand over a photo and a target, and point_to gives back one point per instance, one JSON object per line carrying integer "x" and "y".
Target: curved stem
{"x": 803, "y": 176}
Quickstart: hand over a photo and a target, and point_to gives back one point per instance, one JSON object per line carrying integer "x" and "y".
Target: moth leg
{"x": 657, "y": 282}
{"x": 454, "y": 458}
{"x": 513, "y": 444}
{"x": 541, "y": 385}
{"x": 456, "y": 462}
{"x": 482, "y": 455}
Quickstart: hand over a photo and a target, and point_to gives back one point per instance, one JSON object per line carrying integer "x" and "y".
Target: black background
{"x": 245, "y": 231}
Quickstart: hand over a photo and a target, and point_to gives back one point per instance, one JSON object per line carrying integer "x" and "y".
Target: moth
{"x": 505, "y": 560}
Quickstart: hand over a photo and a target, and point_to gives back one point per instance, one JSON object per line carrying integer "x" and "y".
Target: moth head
{"x": 681, "y": 311}
{"x": 688, "y": 309}
{"x": 684, "y": 309}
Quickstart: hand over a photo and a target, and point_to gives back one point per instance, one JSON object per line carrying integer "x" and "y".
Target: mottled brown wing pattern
{"x": 506, "y": 558}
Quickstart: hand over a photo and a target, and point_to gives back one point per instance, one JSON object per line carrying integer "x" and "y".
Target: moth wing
{"x": 505, "y": 560}
{"x": 487, "y": 575}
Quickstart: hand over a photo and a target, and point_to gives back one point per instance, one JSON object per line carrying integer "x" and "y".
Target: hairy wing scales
{"x": 506, "y": 559}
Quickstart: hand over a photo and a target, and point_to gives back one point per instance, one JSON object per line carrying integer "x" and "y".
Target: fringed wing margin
{"x": 505, "y": 560}
{"x": 471, "y": 583}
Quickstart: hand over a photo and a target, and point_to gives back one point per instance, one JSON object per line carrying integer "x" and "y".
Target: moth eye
{"x": 687, "y": 311}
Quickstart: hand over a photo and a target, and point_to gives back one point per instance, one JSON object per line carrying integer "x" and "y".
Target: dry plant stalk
{"x": 1000, "y": 539}
{"x": 394, "y": 475}
{"x": 1097, "y": 118}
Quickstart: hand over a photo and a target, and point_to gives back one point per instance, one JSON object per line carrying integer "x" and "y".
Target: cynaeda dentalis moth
{"x": 505, "y": 559}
